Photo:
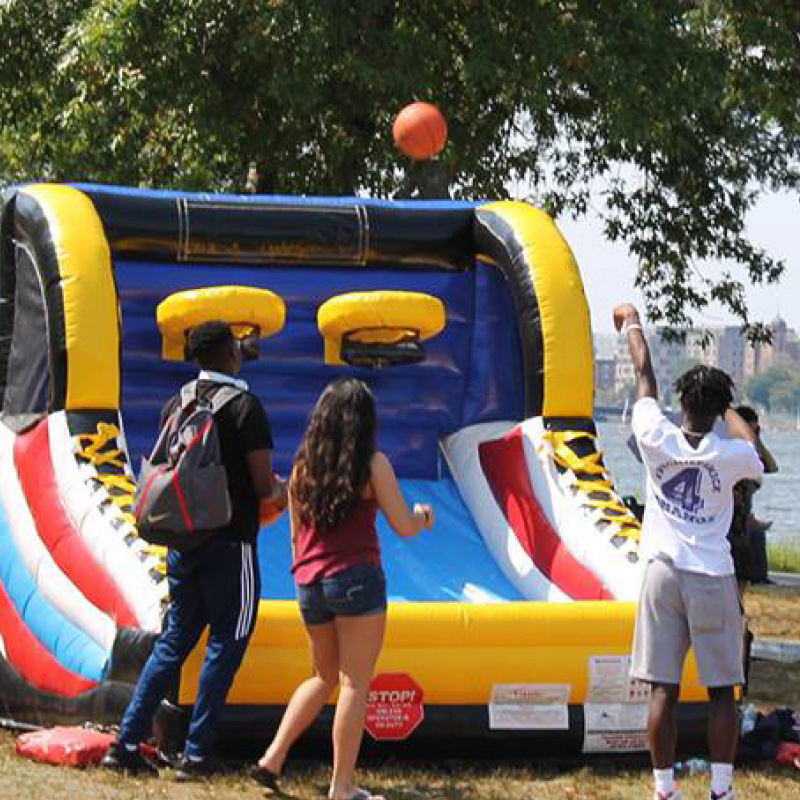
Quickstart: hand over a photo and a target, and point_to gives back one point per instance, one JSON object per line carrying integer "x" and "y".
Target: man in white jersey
{"x": 689, "y": 594}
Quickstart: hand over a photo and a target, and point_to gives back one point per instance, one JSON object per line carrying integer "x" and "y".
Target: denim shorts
{"x": 357, "y": 591}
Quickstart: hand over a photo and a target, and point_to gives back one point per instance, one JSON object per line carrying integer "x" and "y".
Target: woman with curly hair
{"x": 338, "y": 483}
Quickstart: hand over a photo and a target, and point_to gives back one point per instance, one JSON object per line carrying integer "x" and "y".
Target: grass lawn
{"x": 774, "y": 612}
{"x": 783, "y": 557}
{"x": 435, "y": 781}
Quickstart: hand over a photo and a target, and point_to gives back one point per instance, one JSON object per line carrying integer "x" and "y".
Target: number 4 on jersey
{"x": 684, "y": 489}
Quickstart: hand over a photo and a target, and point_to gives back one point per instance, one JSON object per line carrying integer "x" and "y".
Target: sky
{"x": 608, "y": 271}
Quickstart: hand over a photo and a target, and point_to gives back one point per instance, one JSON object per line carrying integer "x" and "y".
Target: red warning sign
{"x": 394, "y": 706}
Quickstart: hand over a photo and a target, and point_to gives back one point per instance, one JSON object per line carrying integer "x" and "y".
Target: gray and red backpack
{"x": 182, "y": 496}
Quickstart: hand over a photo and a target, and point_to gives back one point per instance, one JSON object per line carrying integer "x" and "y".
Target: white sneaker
{"x": 727, "y": 795}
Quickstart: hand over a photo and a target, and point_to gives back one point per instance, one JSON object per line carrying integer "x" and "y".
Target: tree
{"x": 763, "y": 388}
{"x": 666, "y": 115}
{"x": 785, "y": 395}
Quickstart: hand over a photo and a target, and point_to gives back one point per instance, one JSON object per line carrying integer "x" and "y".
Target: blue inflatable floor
{"x": 449, "y": 563}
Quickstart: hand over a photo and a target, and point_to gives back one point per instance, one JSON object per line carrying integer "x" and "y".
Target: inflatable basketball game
{"x": 513, "y": 617}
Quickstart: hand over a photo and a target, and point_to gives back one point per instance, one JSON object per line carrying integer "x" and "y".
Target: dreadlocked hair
{"x": 705, "y": 391}
{"x": 332, "y": 466}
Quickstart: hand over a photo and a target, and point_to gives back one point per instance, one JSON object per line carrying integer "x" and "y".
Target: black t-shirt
{"x": 242, "y": 427}
{"x": 738, "y": 535}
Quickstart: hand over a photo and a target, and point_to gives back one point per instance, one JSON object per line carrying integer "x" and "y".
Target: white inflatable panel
{"x": 59, "y": 590}
{"x": 576, "y": 521}
{"x": 461, "y": 451}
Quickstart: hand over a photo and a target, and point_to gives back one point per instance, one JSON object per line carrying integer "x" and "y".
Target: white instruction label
{"x": 529, "y": 706}
{"x": 615, "y": 727}
{"x": 610, "y": 681}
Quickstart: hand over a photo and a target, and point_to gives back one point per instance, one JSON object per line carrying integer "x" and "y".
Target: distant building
{"x": 702, "y": 347}
{"x": 604, "y": 344}
{"x": 735, "y": 355}
{"x": 667, "y": 358}
{"x": 726, "y": 348}
{"x": 605, "y": 374}
{"x": 784, "y": 349}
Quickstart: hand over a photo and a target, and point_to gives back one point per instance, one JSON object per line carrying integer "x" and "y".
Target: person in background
{"x": 216, "y": 585}
{"x": 689, "y": 594}
{"x": 747, "y": 534}
{"x": 338, "y": 483}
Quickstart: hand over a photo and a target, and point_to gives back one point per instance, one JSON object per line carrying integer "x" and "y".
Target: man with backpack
{"x": 214, "y": 581}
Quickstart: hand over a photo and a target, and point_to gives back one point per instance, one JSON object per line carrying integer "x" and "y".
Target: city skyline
{"x": 727, "y": 349}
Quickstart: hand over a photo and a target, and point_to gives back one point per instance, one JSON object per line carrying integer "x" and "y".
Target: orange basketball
{"x": 420, "y": 131}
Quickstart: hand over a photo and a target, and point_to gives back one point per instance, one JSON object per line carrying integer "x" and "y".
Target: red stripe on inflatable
{"x": 74, "y": 558}
{"x": 32, "y": 660}
{"x": 503, "y": 462}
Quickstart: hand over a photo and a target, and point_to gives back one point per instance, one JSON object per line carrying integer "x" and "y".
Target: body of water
{"x": 777, "y": 500}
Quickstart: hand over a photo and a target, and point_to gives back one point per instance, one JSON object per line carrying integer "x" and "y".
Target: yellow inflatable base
{"x": 455, "y": 651}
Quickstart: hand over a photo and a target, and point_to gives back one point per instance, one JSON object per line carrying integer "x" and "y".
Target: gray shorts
{"x": 678, "y": 608}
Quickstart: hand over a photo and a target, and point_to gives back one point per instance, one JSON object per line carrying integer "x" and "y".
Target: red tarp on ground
{"x": 75, "y": 747}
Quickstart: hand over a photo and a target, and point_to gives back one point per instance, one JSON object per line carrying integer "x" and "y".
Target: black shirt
{"x": 242, "y": 427}
{"x": 739, "y": 536}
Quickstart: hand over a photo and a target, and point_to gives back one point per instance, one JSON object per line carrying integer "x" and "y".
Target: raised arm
{"x": 738, "y": 427}
{"x": 626, "y": 320}
{"x": 770, "y": 464}
{"x": 767, "y": 459}
{"x": 392, "y": 503}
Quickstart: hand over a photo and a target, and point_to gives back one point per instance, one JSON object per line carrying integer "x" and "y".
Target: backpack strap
{"x": 188, "y": 394}
{"x": 223, "y": 394}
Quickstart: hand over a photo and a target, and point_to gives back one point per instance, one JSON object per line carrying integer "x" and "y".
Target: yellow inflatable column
{"x": 526, "y": 245}
{"x": 85, "y": 342}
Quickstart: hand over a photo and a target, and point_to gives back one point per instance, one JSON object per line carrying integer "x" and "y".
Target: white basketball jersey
{"x": 689, "y": 497}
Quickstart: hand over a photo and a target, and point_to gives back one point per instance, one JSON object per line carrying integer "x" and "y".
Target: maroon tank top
{"x": 319, "y": 554}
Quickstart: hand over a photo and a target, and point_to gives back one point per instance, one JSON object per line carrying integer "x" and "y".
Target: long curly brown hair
{"x": 332, "y": 466}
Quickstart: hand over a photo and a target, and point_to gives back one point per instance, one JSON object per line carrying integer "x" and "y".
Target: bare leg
{"x": 309, "y": 697}
{"x": 723, "y": 724}
{"x": 360, "y": 641}
{"x": 662, "y": 731}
